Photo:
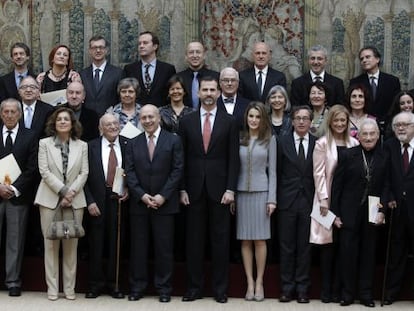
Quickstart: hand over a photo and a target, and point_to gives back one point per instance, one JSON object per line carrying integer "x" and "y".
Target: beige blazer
{"x": 51, "y": 171}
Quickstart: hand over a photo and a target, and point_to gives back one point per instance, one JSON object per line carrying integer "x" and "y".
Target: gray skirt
{"x": 252, "y": 220}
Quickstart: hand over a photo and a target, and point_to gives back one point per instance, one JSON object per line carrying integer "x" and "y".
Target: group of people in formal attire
{"x": 212, "y": 145}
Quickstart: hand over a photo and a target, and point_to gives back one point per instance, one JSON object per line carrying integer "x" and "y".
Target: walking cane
{"x": 118, "y": 246}
{"x": 387, "y": 257}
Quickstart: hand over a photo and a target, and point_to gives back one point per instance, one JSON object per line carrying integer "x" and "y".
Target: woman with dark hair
{"x": 279, "y": 104}
{"x": 318, "y": 99}
{"x": 357, "y": 101}
{"x": 256, "y": 194}
{"x": 61, "y": 71}
{"x": 63, "y": 166}
{"x": 403, "y": 101}
{"x": 175, "y": 110}
{"x": 128, "y": 109}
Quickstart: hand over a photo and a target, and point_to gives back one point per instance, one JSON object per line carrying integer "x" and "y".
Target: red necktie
{"x": 406, "y": 160}
{"x": 112, "y": 163}
{"x": 206, "y": 131}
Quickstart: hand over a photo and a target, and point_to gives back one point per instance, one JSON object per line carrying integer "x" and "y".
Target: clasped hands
{"x": 154, "y": 202}
{"x": 6, "y": 191}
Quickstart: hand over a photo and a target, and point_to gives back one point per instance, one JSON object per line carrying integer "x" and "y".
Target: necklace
{"x": 58, "y": 78}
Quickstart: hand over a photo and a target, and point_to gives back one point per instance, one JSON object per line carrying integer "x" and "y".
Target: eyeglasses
{"x": 227, "y": 81}
{"x": 401, "y": 125}
{"x": 28, "y": 86}
{"x": 304, "y": 119}
{"x": 95, "y": 48}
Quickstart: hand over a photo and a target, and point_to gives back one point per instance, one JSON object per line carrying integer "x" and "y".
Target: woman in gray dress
{"x": 256, "y": 194}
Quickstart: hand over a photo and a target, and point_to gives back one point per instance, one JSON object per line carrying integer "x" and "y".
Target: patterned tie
{"x": 147, "y": 78}
{"x": 96, "y": 78}
{"x": 405, "y": 158}
{"x": 228, "y": 100}
{"x": 194, "y": 90}
{"x": 373, "y": 87}
{"x": 301, "y": 153}
{"x": 9, "y": 142}
{"x": 28, "y": 118}
{"x": 260, "y": 83}
{"x": 151, "y": 146}
{"x": 112, "y": 164}
{"x": 206, "y": 131}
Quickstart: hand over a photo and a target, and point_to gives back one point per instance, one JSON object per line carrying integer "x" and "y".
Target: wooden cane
{"x": 118, "y": 246}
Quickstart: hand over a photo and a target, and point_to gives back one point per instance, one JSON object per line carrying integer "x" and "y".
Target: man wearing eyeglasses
{"x": 401, "y": 199}
{"x": 229, "y": 100}
{"x": 294, "y": 204}
{"x": 100, "y": 79}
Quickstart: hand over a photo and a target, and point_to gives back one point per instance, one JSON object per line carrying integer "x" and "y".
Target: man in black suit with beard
{"x": 295, "y": 190}
{"x": 100, "y": 79}
{"x": 317, "y": 60}
{"x": 211, "y": 151}
{"x": 103, "y": 205}
{"x": 9, "y": 83}
{"x": 151, "y": 73}
{"x": 401, "y": 199}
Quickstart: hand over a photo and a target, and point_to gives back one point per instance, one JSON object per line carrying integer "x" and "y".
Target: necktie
{"x": 405, "y": 158}
{"x": 260, "y": 83}
{"x": 373, "y": 87}
{"x": 194, "y": 90}
{"x": 28, "y": 118}
{"x": 9, "y": 142}
{"x": 96, "y": 78}
{"x": 20, "y": 79}
{"x": 301, "y": 153}
{"x": 228, "y": 100}
{"x": 147, "y": 78}
{"x": 151, "y": 146}
{"x": 206, "y": 131}
{"x": 112, "y": 164}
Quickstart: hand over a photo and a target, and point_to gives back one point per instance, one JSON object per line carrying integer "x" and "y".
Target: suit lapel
{"x": 97, "y": 150}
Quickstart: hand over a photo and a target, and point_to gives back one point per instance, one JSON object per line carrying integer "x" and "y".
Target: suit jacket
{"x": 217, "y": 170}
{"x": 399, "y": 185}
{"x": 106, "y": 95}
{"x": 388, "y": 86}
{"x": 8, "y": 88}
{"x": 95, "y": 187}
{"x": 248, "y": 86}
{"x": 300, "y": 90}
{"x": 24, "y": 151}
{"x": 187, "y": 76}
{"x": 161, "y": 176}
{"x": 239, "y": 109}
{"x": 349, "y": 184}
{"x": 292, "y": 178}
{"x": 51, "y": 170}
{"x": 40, "y": 116}
{"x": 158, "y": 92}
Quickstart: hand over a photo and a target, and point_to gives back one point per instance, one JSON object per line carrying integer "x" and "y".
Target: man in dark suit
{"x": 317, "y": 60}
{"x": 382, "y": 86}
{"x": 100, "y": 79}
{"x": 75, "y": 95}
{"x": 256, "y": 82}
{"x": 360, "y": 173}
{"x": 154, "y": 167}
{"x": 9, "y": 83}
{"x": 294, "y": 202}
{"x": 229, "y": 100}
{"x": 401, "y": 199}
{"x": 16, "y": 195}
{"x": 195, "y": 56}
{"x": 102, "y": 206}
{"x": 35, "y": 112}
{"x": 152, "y": 74}
{"x": 211, "y": 150}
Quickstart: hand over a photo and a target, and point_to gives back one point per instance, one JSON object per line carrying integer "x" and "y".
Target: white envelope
{"x": 325, "y": 221}
{"x": 373, "y": 208}
{"x": 118, "y": 185}
{"x": 54, "y": 98}
{"x": 10, "y": 168}
{"x": 130, "y": 131}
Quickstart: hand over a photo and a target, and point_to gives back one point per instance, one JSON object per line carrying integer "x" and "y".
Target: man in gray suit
{"x": 100, "y": 79}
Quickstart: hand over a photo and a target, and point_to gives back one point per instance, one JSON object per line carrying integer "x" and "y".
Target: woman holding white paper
{"x": 325, "y": 157}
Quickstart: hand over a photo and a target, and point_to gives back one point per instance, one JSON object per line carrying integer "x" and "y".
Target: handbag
{"x": 60, "y": 228}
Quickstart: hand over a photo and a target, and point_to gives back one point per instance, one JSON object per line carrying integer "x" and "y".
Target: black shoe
{"x": 345, "y": 303}
{"x": 134, "y": 296}
{"x": 191, "y": 296}
{"x": 117, "y": 294}
{"x": 15, "y": 291}
{"x": 164, "y": 298}
{"x": 285, "y": 298}
{"x": 388, "y": 301}
{"x": 302, "y": 298}
{"x": 92, "y": 294}
{"x": 368, "y": 303}
{"x": 221, "y": 298}
{"x": 325, "y": 299}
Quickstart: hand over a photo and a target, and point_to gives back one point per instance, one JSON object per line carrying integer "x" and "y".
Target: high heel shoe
{"x": 249, "y": 294}
{"x": 259, "y": 293}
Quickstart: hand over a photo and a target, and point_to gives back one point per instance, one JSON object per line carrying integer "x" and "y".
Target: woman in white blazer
{"x": 63, "y": 166}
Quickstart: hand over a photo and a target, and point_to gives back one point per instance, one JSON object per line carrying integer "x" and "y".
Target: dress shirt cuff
{"x": 229, "y": 191}
{"x": 16, "y": 192}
